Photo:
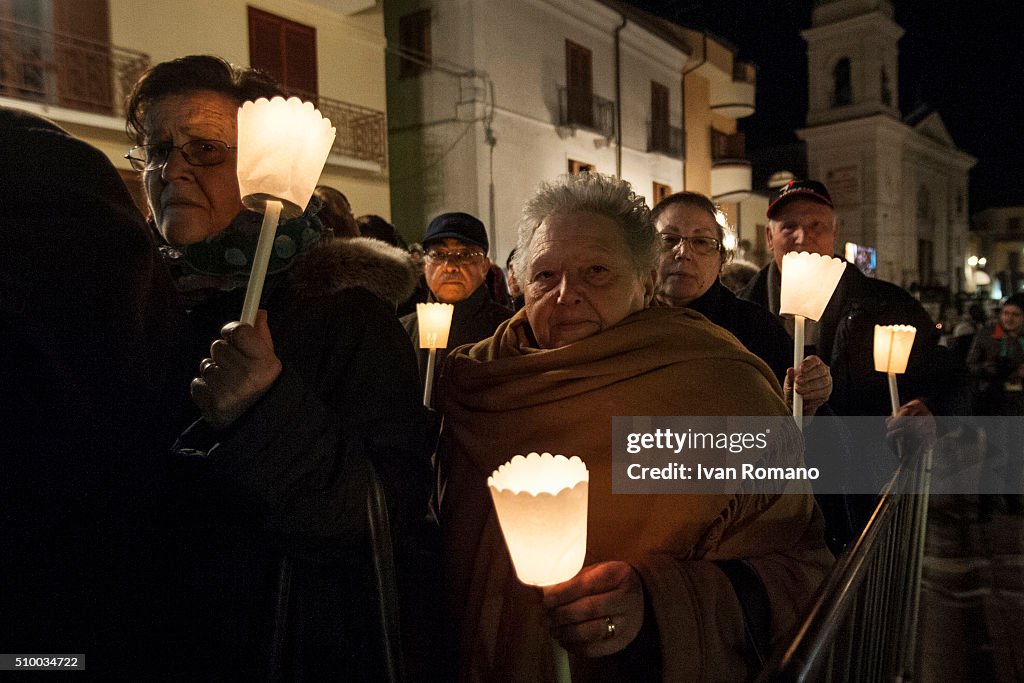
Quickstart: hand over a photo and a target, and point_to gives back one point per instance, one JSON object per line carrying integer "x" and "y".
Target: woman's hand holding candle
{"x": 599, "y": 611}
{"x": 241, "y": 368}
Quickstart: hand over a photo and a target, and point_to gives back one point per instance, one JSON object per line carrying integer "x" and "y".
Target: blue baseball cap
{"x": 457, "y": 226}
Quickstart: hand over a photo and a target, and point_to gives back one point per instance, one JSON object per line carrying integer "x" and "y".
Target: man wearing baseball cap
{"x": 801, "y": 217}
{"x": 455, "y": 265}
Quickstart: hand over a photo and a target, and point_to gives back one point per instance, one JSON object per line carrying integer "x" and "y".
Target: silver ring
{"x": 609, "y": 626}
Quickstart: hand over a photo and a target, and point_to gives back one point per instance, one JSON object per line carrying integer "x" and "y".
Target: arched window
{"x": 842, "y": 88}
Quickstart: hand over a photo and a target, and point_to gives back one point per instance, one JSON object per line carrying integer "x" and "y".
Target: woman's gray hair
{"x": 596, "y": 193}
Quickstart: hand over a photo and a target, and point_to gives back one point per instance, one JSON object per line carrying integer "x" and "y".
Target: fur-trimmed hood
{"x": 384, "y": 270}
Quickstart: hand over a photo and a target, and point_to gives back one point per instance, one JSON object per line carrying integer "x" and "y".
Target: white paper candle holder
{"x": 541, "y": 503}
{"x": 434, "y": 321}
{"x": 892, "y": 353}
{"x": 808, "y": 282}
{"x": 282, "y": 148}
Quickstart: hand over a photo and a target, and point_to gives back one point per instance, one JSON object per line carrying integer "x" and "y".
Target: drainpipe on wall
{"x": 618, "y": 98}
{"x": 682, "y": 91}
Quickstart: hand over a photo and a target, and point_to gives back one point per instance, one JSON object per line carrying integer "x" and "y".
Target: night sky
{"x": 963, "y": 59}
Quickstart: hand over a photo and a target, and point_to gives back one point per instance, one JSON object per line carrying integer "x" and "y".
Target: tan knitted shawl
{"x": 501, "y": 397}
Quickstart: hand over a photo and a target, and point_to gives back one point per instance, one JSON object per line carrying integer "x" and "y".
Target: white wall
{"x": 518, "y": 51}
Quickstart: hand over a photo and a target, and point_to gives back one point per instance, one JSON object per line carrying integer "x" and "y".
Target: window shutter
{"x": 286, "y": 50}
{"x": 83, "y": 66}
{"x": 579, "y": 84}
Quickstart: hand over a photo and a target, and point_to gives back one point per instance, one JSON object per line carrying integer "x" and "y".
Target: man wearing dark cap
{"x": 455, "y": 265}
{"x": 801, "y": 217}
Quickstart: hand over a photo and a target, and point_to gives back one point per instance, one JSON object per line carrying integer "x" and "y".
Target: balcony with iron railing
{"x": 580, "y": 108}
{"x": 65, "y": 70}
{"x": 80, "y": 74}
{"x": 731, "y": 174}
{"x": 734, "y": 97}
{"x": 665, "y": 139}
{"x": 728, "y": 146}
{"x": 361, "y": 131}
{"x": 744, "y": 72}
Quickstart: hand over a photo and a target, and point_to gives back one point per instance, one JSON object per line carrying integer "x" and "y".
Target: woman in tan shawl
{"x": 657, "y": 597}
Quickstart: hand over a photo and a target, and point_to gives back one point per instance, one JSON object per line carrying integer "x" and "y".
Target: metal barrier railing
{"x": 862, "y": 625}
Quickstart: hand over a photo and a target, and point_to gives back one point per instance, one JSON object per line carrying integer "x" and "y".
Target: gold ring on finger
{"x": 609, "y": 628}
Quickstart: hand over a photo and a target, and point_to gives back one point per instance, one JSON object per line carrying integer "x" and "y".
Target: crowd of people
{"x": 186, "y": 495}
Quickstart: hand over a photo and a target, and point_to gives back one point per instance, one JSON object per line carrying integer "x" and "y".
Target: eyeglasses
{"x": 195, "y": 152}
{"x": 455, "y": 258}
{"x": 704, "y": 246}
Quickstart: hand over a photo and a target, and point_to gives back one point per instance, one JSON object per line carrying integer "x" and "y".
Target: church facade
{"x": 900, "y": 183}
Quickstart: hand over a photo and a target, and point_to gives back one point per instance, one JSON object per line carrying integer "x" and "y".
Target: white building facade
{"x": 489, "y": 98}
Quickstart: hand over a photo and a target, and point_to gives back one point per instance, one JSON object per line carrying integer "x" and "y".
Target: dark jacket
{"x": 846, "y": 339}
{"x": 473, "y": 319}
{"x": 289, "y": 476}
{"x": 756, "y": 328}
{"x": 763, "y": 335}
{"x": 91, "y": 328}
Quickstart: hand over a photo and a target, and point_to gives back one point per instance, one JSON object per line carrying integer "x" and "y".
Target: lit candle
{"x": 892, "y": 352}
{"x": 435, "y": 322}
{"x": 808, "y": 281}
{"x": 541, "y": 504}
{"x": 282, "y": 148}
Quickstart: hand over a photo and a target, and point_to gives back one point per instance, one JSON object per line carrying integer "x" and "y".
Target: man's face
{"x": 1011, "y": 319}
{"x": 454, "y": 269}
{"x": 802, "y": 225}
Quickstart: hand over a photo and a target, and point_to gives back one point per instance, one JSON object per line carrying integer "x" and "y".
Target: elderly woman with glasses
{"x": 667, "y": 579}
{"x": 690, "y": 259}
{"x": 295, "y": 411}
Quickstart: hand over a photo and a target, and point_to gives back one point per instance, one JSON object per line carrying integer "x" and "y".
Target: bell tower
{"x": 852, "y": 61}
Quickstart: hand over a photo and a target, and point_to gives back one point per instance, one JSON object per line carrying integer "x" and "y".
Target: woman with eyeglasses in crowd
{"x": 692, "y": 253}
{"x": 292, "y": 413}
{"x": 690, "y": 260}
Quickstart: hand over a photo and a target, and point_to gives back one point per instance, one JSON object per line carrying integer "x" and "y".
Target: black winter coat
{"x": 757, "y": 329}
{"x": 289, "y": 476}
{"x": 846, "y": 341}
{"x": 92, "y": 335}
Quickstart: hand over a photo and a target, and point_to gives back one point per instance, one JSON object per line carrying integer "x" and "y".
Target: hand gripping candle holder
{"x": 808, "y": 282}
{"x": 434, "y": 322}
{"x": 541, "y": 503}
{"x": 282, "y": 148}
{"x": 892, "y": 352}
